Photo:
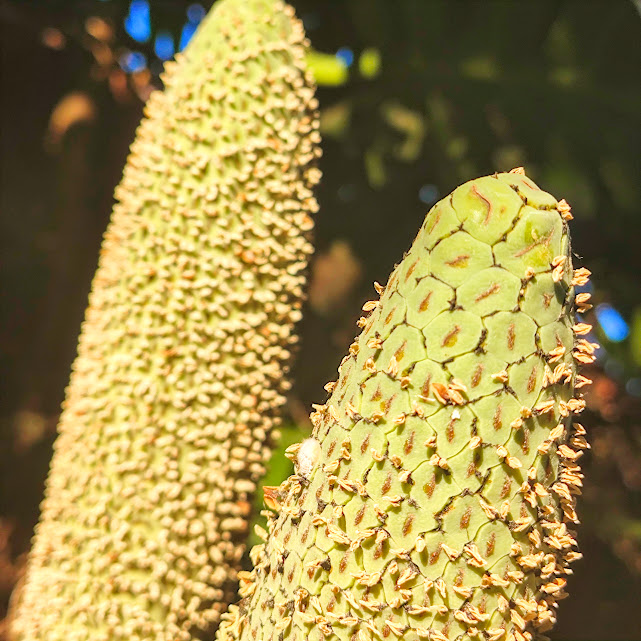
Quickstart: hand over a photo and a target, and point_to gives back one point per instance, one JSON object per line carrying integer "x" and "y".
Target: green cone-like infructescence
{"x": 186, "y": 340}
{"x": 435, "y": 499}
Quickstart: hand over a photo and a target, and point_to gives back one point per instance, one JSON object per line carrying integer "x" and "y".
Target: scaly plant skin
{"x": 442, "y": 486}
{"x": 184, "y": 349}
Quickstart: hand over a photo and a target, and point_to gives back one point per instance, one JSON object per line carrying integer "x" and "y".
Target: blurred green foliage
{"x": 328, "y": 70}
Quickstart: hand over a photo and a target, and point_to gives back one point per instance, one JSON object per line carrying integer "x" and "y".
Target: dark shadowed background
{"x": 416, "y": 97}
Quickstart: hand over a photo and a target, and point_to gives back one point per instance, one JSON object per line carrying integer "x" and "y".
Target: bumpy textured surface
{"x": 439, "y": 503}
{"x": 184, "y": 348}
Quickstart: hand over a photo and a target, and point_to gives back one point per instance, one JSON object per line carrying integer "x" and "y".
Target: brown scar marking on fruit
{"x": 505, "y": 490}
{"x": 343, "y": 564}
{"x": 547, "y": 299}
{"x": 407, "y": 526}
{"x": 425, "y": 302}
{"x": 450, "y": 337}
{"x": 450, "y": 430}
{"x": 425, "y": 390}
{"x": 410, "y": 271}
{"x": 526, "y": 441}
{"x": 400, "y": 352}
{"x": 387, "y": 484}
{"x": 377, "y": 395}
{"x": 476, "y": 377}
{"x": 488, "y": 292}
{"x": 428, "y": 488}
{"x": 459, "y": 261}
{"x": 489, "y": 548}
{"x": 511, "y": 336}
{"x": 496, "y": 421}
{"x": 544, "y": 240}
{"x": 465, "y": 519}
{"x": 389, "y": 317}
{"x": 434, "y": 556}
{"x": 476, "y": 192}
{"x": 359, "y": 516}
{"x": 409, "y": 444}
{"x": 531, "y": 382}
{"x": 364, "y": 444}
{"x": 435, "y": 221}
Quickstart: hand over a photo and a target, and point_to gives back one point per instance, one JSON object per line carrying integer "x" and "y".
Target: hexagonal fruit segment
{"x": 525, "y": 379}
{"x": 408, "y": 442}
{"x": 494, "y": 541}
{"x": 469, "y": 467}
{"x": 342, "y": 560}
{"x": 375, "y": 554}
{"x": 495, "y": 414}
{"x": 392, "y": 313}
{"x": 533, "y": 243}
{"x": 359, "y": 516}
{"x": 462, "y": 520}
{"x": 510, "y": 335}
{"x": 401, "y": 350}
{"x": 554, "y": 335}
{"x": 453, "y": 428}
{"x": 405, "y": 522}
{"x": 383, "y": 483}
{"x": 415, "y": 265}
{"x": 457, "y": 258}
{"x": 421, "y": 391}
{"x": 364, "y": 438}
{"x": 460, "y": 575}
{"x": 491, "y": 290}
{"x": 441, "y": 221}
{"x": 543, "y": 299}
{"x": 499, "y": 487}
{"x": 477, "y": 373}
{"x": 451, "y": 334}
{"x": 525, "y": 441}
{"x": 427, "y": 300}
{"x": 433, "y": 487}
{"x": 383, "y": 401}
{"x": 432, "y": 557}
{"x": 487, "y": 208}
